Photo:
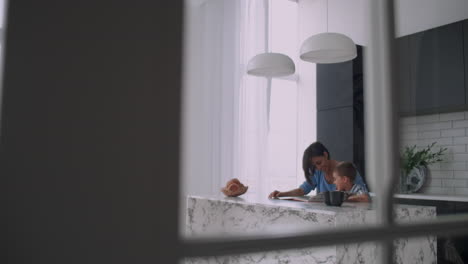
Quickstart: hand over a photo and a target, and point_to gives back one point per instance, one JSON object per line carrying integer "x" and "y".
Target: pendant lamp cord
{"x": 267, "y": 26}
{"x": 267, "y": 49}
{"x": 327, "y": 16}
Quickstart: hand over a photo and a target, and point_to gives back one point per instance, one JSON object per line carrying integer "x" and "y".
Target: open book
{"x": 316, "y": 198}
{"x": 294, "y": 198}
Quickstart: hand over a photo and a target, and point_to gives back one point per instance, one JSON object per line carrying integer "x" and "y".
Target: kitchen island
{"x": 247, "y": 215}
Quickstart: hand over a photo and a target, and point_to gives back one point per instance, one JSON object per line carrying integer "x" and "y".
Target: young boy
{"x": 344, "y": 175}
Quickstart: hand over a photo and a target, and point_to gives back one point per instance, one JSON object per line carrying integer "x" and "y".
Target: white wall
{"x": 450, "y": 131}
{"x": 418, "y": 15}
{"x": 348, "y": 17}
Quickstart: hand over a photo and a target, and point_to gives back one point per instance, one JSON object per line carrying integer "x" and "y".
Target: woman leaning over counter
{"x": 318, "y": 171}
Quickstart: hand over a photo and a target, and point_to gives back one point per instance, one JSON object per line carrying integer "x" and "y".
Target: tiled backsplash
{"x": 450, "y": 130}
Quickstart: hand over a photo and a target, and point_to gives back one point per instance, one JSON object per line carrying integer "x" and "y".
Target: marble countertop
{"x": 318, "y": 207}
{"x": 254, "y": 215}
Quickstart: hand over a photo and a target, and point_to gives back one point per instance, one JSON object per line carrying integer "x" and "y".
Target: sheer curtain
{"x": 211, "y": 81}
{"x": 270, "y": 147}
{"x": 252, "y": 125}
{"x": 225, "y": 110}
{"x": 224, "y": 115}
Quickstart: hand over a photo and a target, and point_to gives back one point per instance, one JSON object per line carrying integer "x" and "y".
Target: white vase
{"x": 415, "y": 179}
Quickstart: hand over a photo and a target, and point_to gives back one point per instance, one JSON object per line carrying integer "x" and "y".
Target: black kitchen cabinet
{"x": 334, "y": 85}
{"x": 335, "y": 130}
{"x": 437, "y": 69}
{"x": 465, "y": 51}
{"x": 340, "y": 109}
{"x": 406, "y": 94}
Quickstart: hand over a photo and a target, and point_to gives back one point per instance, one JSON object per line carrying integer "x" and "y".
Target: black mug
{"x": 334, "y": 198}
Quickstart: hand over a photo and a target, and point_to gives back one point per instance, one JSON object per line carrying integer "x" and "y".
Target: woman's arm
{"x": 294, "y": 192}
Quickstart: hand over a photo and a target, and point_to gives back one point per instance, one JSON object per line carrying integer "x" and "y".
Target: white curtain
{"x": 252, "y": 134}
{"x": 224, "y": 114}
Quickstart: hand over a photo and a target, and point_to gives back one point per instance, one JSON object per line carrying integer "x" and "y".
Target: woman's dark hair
{"x": 315, "y": 149}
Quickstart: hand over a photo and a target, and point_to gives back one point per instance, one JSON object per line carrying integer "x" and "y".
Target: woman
{"x": 318, "y": 171}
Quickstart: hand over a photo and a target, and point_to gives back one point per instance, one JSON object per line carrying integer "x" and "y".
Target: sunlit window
{"x": 282, "y": 137}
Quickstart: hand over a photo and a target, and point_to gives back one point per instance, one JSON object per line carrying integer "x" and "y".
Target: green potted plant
{"x": 414, "y": 166}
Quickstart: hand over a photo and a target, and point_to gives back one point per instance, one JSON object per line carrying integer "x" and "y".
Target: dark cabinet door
{"x": 334, "y": 85}
{"x": 335, "y": 130}
{"x": 437, "y": 69}
{"x": 402, "y": 83}
{"x": 465, "y": 51}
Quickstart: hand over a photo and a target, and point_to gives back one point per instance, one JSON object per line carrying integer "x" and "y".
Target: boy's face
{"x": 341, "y": 182}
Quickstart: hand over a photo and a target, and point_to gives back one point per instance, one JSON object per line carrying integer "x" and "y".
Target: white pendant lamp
{"x": 271, "y": 65}
{"x": 328, "y": 47}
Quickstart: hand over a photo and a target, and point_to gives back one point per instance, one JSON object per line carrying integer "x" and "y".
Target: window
{"x": 381, "y": 142}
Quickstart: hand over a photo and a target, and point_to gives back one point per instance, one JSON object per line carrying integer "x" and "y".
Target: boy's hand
{"x": 359, "y": 198}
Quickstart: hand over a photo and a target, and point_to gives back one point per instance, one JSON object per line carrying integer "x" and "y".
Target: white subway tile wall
{"x": 450, "y": 131}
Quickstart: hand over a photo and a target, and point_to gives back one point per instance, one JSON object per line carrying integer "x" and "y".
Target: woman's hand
{"x": 274, "y": 194}
{"x": 295, "y": 192}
